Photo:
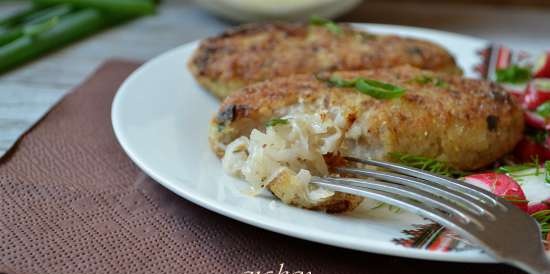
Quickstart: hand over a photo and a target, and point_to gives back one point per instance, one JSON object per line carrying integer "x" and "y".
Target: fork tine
{"x": 411, "y": 193}
{"x": 435, "y": 178}
{"x": 468, "y": 231}
{"x": 470, "y": 203}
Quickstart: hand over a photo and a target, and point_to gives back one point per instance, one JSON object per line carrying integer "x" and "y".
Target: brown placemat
{"x": 72, "y": 202}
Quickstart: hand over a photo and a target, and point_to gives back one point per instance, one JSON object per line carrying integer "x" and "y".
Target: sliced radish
{"x": 538, "y": 206}
{"x": 536, "y": 189}
{"x": 516, "y": 90}
{"x": 542, "y": 66}
{"x": 542, "y": 84}
{"x": 527, "y": 150}
{"x": 535, "y": 120}
{"x": 501, "y": 185}
{"x": 536, "y": 93}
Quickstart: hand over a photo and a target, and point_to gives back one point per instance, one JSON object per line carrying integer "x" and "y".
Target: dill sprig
{"x": 517, "y": 171}
{"x": 543, "y": 218}
{"x": 428, "y": 164}
{"x": 518, "y": 168}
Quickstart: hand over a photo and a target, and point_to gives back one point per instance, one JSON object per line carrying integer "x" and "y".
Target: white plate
{"x": 160, "y": 117}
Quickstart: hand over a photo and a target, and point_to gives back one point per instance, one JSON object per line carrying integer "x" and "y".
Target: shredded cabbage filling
{"x": 298, "y": 146}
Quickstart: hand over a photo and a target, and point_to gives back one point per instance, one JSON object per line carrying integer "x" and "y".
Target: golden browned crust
{"x": 285, "y": 187}
{"x": 465, "y": 122}
{"x": 257, "y": 52}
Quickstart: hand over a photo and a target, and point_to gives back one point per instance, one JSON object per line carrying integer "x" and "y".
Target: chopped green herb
{"x": 425, "y": 79}
{"x": 328, "y": 24}
{"x": 376, "y": 89}
{"x": 547, "y": 172}
{"x": 428, "y": 164}
{"x": 339, "y": 82}
{"x": 513, "y": 74}
{"x": 276, "y": 121}
{"x": 544, "y": 109}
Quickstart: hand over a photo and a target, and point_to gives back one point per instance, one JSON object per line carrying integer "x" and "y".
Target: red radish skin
{"x": 536, "y": 207}
{"x": 500, "y": 185}
{"x": 527, "y": 150}
{"x": 534, "y": 120}
{"x": 536, "y": 93}
{"x": 542, "y": 67}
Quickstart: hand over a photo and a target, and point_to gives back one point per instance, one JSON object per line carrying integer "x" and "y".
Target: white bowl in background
{"x": 265, "y": 10}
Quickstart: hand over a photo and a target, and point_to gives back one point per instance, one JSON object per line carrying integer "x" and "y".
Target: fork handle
{"x": 537, "y": 264}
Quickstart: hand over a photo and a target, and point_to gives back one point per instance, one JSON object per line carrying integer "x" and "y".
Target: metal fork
{"x": 504, "y": 231}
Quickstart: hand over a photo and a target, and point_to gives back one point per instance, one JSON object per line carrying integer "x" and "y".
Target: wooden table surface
{"x": 28, "y": 92}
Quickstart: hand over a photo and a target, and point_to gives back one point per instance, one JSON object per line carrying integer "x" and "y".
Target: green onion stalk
{"x": 51, "y": 24}
{"x": 35, "y": 22}
{"x": 67, "y": 29}
{"x": 118, "y": 7}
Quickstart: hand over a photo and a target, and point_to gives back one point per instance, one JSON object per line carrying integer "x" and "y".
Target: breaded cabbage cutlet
{"x": 278, "y": 132}
{"x": 256, "y": 52}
